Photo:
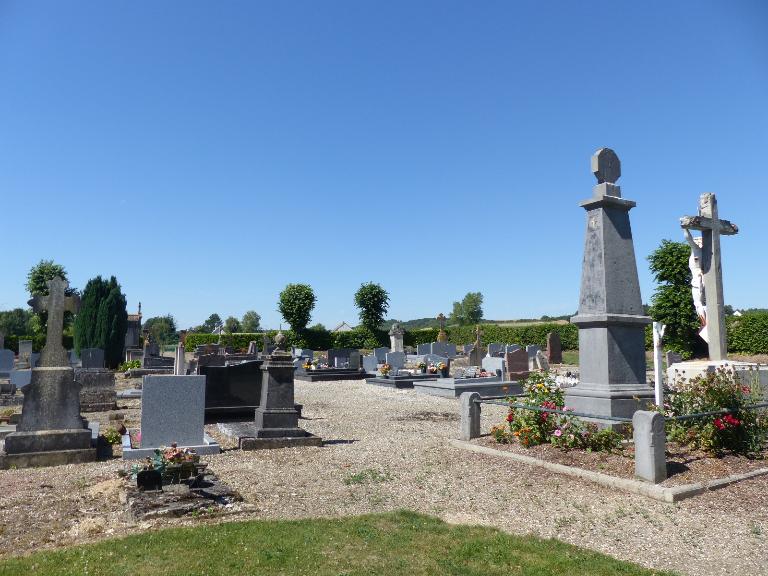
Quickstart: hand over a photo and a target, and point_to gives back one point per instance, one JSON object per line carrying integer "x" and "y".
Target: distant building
{"x": 343, "y": 327}
{"x": 133, "y": 330}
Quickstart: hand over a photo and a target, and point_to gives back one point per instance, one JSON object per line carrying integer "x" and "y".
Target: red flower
{"x": 731, "y": 420}
{"x": 510, "y": 417}
{"x": 719, "y": 424}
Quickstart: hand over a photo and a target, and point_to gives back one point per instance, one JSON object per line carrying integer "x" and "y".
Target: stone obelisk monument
{"x": 51, "y": 430}
{"x": 610, "y": 318}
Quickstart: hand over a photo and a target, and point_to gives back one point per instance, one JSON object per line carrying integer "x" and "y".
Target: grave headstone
{"x": 97, "y": 389}
{"x": 74, "y": 360}
{"x": 253, "y": 348}
{"x": 422, "y": 349}
{"x": 611, "y": 320}
{"x": 381, "y": 354}
{"x": 467, "y": 348}
{"x": 92, "y": 358}
{"x": 532, "y": 350}
{"x": 6, "y": 363}
{"x": 179, "y": 363}
{"x": 396, "y": 360}
{"x": 495, "y": 349}
{"x": 554, "y": 348}
{"x": 511, "y": 348}
{"x": 2, "y": 341}
{"x": 172, "y": 411}
{"x": 541, "y": 361}
{"x": 396, "y": 334}
{"x": 370, "y": 363}
{"x": 42, "y": 430}
{"x": 25, "y": 354}
{"x": 233, "y": 389}
{"x": 443, "y": 349}
{"x": 494, "y": 365}
{"x": 517, "y": 364}
{"x": 673, "y": 358}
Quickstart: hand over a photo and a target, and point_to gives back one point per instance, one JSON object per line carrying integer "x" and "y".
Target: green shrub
{"x": 112, "y": 436}
{"x": 12, "y": 342}
{"x": 522, "y": 335}
{"x": 748, "y": 334}
{"x": 125, "y": 366}
{"x": 741, "y": 430}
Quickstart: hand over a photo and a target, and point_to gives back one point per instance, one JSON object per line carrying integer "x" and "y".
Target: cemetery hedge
{"x": 38, "y": 341}
{"x": 747, "y": 334}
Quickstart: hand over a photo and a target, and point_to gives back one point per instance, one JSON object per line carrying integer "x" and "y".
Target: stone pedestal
{"x": 610, "y": 318}
{"x": 51, "y": 430}
{"x": 276, "y": 422}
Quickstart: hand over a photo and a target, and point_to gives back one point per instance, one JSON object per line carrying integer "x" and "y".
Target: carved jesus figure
{"x": 697, "y": 281}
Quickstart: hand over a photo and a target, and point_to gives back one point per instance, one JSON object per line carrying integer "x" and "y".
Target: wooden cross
{"x": 711, "y": 228}
{"x": 56, "y": 303}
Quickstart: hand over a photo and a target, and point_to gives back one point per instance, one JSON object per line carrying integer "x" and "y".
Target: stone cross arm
{"x": 70, "y": 303}
{"x": 725, "y": 227}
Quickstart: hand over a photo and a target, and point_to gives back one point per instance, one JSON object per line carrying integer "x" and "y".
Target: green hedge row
{"x": 522, "y": 335}
{"x": 747, "y": 334}
{"x": 12, "y": 342}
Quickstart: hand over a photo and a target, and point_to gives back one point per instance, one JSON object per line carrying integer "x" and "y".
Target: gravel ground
{"x": 388, "y": 449}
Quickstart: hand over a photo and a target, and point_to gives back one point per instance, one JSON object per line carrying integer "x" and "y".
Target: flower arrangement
{"x": 385, "y": 369}
{"x": 739, "y": 430}
{"x": 308, "y": 366}
{"x": 441, "y": 366}
{"x": 533, "y": 427}
{"x": 422, "y": 366}
{"x": 432, "y": 369}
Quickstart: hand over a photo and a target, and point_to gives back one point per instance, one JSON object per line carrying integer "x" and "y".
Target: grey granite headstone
{"x": 467, "y": 348}
{"x": 34, "y": 358}
{"x": 381, "y": 354}
{"x": 445, "y": 349}
{"x": 74, "y": 360}
{"x": 611, "y": 320}
{"x": 512, "y": 347}
{"x": 673, "y": 358}
{"x": 495, "y": 349}
{"x": 6, "y": 363}
{"x": 172, "y": 410}
{"x": 370, "y": 363}
{"x": 92, "y": 357}
{"x": 422, "y": 349}
{"x": 435, "y": 359}
{"x": 650, "y": 443}
{"x": 25, "y": 352}
{"x": 494, "y": 365}
{"x": 395, "y": 359}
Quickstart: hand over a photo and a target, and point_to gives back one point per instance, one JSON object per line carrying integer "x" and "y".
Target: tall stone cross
{"x": 711, "y": 228}
{"x": 442, "y": 336}
{"x": 56, "y": 303}
{"x": 478, "y": 334}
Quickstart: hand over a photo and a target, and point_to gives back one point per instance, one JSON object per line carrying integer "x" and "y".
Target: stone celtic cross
{"x": 711, "y": 227}
{"x": 478, "y": 334}
{"x": 56, "y": 304}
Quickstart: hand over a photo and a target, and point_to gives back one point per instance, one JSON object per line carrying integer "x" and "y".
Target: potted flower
{"x": 432, "y": 369}
{"x": 422, "y": 367}
{"x": 442, "y": 367}
{"x": 385, "y": 369}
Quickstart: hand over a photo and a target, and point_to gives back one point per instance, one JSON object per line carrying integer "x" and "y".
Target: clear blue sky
{"x": 209, "y": 153}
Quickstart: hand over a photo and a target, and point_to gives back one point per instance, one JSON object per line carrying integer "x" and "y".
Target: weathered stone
{"x": 92, "y": 358}
{"x": 97, "y": 389}
{"x": 673, "y": 358}
{"x": 396, "y": 334}
{"x": 470, "y": 415}
{"x": 650, "y": 445}
{"x": 395, "y": 359}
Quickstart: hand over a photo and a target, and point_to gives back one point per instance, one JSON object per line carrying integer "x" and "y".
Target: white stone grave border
{"x": 669, "y": 494}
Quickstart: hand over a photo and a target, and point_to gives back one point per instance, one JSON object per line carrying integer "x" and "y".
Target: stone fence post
{"x": 470, "y": 415}
{"x": 650, "y": 444}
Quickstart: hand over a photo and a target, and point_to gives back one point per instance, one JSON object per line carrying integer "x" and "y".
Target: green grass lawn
{"x": 571, "y": 357}
{"x": 387, "y": 544}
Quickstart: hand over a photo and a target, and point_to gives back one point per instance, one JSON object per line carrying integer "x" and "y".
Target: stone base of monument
{"x": 400, "y": 381}
{"x": 619, "y": 401}
{"x": 251, "y": 437}
{"x": 97, "y": 389}
{"x": 455, "y": 387}
{"x": 209, "y": 446}
{"x": 749, "y": 373}
{"x": 42, "y": 459}
{"x": 332, "y": 375}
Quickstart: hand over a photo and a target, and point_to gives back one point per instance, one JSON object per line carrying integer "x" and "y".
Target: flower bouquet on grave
{"x": 307, "y": 366}
{"x": 385, "y": 369}
{"x": 421, "y": 367}
{"x": 442, "y": 367}
{"x": 432, "y": 369}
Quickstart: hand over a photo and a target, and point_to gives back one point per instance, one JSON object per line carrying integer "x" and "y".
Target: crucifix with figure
{"x": 56, "y": 303}
{"x": 707, "y": 260}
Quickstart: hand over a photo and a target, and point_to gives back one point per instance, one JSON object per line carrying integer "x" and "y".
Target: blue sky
{"x": 209, "y": 153}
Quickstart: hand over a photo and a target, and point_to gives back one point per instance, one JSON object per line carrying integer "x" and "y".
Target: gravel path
{"x": 387, "y": 450}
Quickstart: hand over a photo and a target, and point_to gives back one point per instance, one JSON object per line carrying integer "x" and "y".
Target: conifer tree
{"x": 102, "y": 319}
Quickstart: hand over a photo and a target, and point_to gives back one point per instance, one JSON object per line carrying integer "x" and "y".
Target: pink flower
{"x": 558, "y": 432}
